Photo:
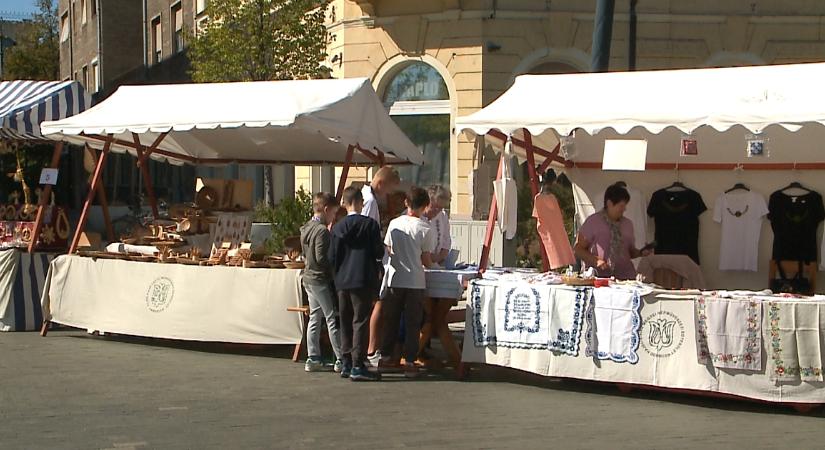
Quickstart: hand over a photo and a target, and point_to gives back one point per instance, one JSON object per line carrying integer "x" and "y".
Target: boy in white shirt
{"x": 410, "y": 243}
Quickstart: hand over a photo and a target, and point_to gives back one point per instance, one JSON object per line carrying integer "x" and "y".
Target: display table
{"x": 666, "y": 348}
{"x": 201, "y": 303}
{"x": 22, "y": 276}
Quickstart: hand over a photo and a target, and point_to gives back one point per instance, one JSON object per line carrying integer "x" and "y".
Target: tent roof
{"x": 753, "y": 97}
{"x": 302, "y": 121}
{"x": 25, "y": 104}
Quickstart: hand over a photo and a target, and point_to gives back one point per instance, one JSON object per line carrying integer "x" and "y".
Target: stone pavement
{"x": 71, "y": 390}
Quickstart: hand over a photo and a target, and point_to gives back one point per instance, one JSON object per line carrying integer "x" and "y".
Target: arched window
{"x": 419, "y": 102}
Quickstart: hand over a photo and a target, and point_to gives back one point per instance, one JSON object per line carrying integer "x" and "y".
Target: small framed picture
{"x": 756, "y": 145}
{"x": 689, "y": 146}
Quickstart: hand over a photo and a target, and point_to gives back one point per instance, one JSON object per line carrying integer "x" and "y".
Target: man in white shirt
{"x": 435, "y": 215}
{"x": 410, "y": 243}
{"x": 385, "y": 181}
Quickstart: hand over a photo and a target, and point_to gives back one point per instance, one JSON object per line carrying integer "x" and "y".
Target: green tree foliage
{"x": 37, "y": 53}
{"x": 286, "y": 218}
{"x": 259, "y": 40}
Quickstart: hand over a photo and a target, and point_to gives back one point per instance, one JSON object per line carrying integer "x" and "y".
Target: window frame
{"x": 178, "y": 43}
{"x": 156, "y": 29}
{"x": 84, "y": 9}
{"x": 95, "y": 74}
{"x": 65, "y": 27}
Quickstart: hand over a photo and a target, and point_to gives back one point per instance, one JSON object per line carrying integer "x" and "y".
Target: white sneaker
{"x": 313, "y": 365}
{"x": 372, "y": 361}
{"x": 337, "y": 366}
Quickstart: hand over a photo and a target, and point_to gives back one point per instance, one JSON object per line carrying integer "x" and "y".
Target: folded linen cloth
{"x": 729, "y": 332}
{"x": 482, "y": 302}
{"x": 566, "y": 317}
{"x": 613, "y": 325}
{"x": 795, "y": 350}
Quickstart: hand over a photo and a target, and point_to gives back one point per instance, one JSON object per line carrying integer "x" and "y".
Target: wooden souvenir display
{"x": 17, "y": 223}
{"x": 226, "y": 195}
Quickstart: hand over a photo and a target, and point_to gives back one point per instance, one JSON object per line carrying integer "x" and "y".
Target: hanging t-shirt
{"x": 740, "y": 212}
{"x": 794, "y": 220}
{"x": 550, "y": 226}
{"x": 635, "y": 212}
{"x": 676, "y": 219}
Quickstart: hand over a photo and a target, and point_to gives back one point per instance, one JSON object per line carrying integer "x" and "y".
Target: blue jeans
{"x": 321, "y": 307}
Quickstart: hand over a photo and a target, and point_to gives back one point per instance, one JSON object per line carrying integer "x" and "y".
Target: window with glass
{"x": 177, "y": 26}
{"x": 64, "y": 27}
{"x": 419, "y": 103}
{"x": 200, "y": 6}
{"x": 95, "y": 77}
{"x": 83, "y": 12}
{"x": 157, "y": 40}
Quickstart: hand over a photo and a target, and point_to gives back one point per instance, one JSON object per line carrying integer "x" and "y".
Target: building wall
{"x": 163, "y": 9}
{"x": 480, "y": 50}
{"x": 117, "y": 44}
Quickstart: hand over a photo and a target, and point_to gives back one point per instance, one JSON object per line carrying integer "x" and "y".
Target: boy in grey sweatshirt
{"x": 317, "y": 280}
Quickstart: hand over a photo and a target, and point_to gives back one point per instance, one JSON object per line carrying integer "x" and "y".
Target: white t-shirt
{"x": 441, "y": 228}
{"x": 636, "y": 211}
{"x": 408, "y": 237}
{"x": 370, "y": 208}
{"x": 741, "y": 214}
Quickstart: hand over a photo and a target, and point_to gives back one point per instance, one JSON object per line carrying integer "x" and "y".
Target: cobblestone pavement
{"x": 71, "y": 390}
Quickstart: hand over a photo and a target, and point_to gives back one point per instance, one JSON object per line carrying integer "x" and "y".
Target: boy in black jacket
{"x": 356, "y": 246}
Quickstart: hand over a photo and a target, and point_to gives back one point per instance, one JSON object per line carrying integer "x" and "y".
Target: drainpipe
{"x": 99, "y": 74}
{"x": 145, "y": 37}
{"x": 631, "y": 38}
{"x": 602, "y": 34}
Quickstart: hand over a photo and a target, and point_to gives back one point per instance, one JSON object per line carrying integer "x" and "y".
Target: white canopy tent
{"x": 302, "y": 121}
{"x": 309, "y": 122}
{"x": 719, "y": 107}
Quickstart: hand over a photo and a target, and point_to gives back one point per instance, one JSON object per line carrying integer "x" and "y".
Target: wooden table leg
{"x": 44, "y": 329}
{"x": 299, "y": 347}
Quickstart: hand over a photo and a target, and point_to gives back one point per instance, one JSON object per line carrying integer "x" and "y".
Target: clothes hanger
{"x": 795, "y": 185}
{"x": 678, "y": 183}
{"x": 621, "y": 183}
{"x": 738, "y": 186}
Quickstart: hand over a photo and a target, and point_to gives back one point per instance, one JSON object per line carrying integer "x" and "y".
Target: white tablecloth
{"x": 220, "y": 304}
{"x": 667, "y": 357}
{"x": 22, "y": 276}
{"x": 448, "y": 284}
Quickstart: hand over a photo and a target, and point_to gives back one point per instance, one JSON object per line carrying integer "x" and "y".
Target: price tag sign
{"x": 48, "y": 176}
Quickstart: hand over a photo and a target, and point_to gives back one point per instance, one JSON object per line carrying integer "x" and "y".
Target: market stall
{"x": 298, "y": 122}
{"x": 747, "y": 139}
{"x": 32, "y": 227}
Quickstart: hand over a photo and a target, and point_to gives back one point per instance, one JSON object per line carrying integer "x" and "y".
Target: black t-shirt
{"x": 676, "y": 216}
{"x": 794, "y": 220}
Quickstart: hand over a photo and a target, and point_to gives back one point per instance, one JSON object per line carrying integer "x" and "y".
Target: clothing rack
{"x": 715, "y": 166}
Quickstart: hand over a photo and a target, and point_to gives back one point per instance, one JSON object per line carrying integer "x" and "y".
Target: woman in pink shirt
{"x": 605, "y": 240}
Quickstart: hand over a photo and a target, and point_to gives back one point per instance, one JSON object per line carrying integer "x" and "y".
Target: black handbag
{"x": 796, "y": 285}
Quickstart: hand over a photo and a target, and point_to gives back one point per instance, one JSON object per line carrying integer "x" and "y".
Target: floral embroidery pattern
{"x": 781, "y": 369}
{"x": 631, "y": 356}
{"x": 750, "y": 358}
{"x": 567, "y": 341}
{"x": 521, "y": 326}
{"x": 480, "y": 336}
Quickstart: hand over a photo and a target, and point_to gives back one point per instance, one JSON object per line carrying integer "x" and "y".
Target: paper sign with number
{"x": 48, "y": 176}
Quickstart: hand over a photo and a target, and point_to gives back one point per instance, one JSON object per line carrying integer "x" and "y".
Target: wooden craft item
{"x": 206, "y": 198}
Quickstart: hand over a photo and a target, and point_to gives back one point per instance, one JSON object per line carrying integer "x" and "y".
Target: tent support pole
{"x": 104, "y": 205}
{"x": 547, "y": 161}
{"x": 44, "y": 197}
{"x": 84, "y": 214}
{"x": 491, "y": 223}
{"x": 141, "y": 162}
{"x": 342, "y": 183}
{"x": 534, "y": 187}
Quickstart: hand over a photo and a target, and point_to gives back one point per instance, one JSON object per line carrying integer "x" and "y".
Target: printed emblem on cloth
{"x": 662, "y": 334}
{"x": 160, "y": 294}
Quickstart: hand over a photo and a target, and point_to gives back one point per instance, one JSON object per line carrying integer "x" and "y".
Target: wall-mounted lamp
{"x": 493, "y": 47}
{"x": 337, "y": 59}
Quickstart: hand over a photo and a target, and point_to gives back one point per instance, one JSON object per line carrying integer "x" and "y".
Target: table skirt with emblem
{"x": 174, "y": 301}
{"x": 667, "y": 354}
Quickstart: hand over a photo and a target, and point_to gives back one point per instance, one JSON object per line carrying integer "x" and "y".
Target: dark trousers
{"x": 355, "y": 307}
{"x": 411, "y": 301}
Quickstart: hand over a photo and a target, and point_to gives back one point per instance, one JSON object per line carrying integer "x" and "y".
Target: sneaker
{"x": 314, "y": 365}
{"x": 363, "y": 374}
{"x": 373, "y": 361}
{"x": 411, "y": 371}
{"x": 338, "y": 366}
{"x": 346, "y": 369}
{"x": 388, "y": 365}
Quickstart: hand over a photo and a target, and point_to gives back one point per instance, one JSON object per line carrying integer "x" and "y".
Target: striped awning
{"x": 24, "y": 105}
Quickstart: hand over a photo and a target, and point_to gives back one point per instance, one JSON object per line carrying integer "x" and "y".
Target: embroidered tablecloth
{"x": 613, "y": 325}
{"x": 729, "y": 332}
{"x": 795, "y": 346}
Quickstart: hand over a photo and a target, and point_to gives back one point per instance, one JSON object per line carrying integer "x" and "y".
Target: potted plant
{"x": 273, "y": 224}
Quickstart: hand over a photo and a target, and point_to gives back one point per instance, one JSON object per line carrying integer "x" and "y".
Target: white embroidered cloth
{"x": 517, "y": 315}
{"x": 613, "y": 325}
{"x": 729, "y": 332}
{"x": 795, "y": 350}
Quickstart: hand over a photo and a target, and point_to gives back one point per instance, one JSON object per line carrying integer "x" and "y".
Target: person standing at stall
{"x": 606, "y": 241}
{"x": 355, "y": 254}
{"x": 317, "y": 281}
{"x": 435, "y": 215}
{"x": 385, "y": 181}
{"x": 410, "y": 242}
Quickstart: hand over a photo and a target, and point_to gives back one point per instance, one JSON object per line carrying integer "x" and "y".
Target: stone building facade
{"x": 478, "y": 47}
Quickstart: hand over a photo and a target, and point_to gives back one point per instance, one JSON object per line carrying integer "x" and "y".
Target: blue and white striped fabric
{"x": 21, "y": 287}
{"x": 24, "y": 105}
